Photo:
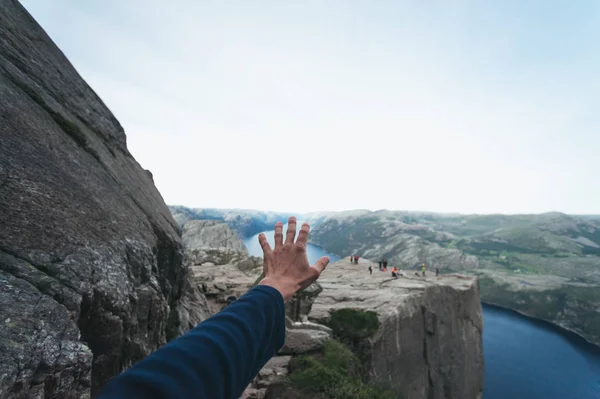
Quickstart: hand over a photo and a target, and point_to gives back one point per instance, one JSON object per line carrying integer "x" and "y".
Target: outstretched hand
{"x": 286, "y": 267}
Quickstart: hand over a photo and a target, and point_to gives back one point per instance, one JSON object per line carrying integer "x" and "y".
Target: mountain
{"x": 546, "y": 265}
{"x": 244, "y": 222}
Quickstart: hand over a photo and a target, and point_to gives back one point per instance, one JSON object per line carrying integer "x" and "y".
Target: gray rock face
{"x": 299, "y": 306}
{"x": 299, "y": 340}
{"x": 429, "y": 344}
{"x": 223, "y": 273}
{"x": 198, "y": 234}
{"x": 91, "y": 271}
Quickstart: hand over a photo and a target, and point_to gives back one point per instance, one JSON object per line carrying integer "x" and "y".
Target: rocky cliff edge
{"x": 429, "y": 344}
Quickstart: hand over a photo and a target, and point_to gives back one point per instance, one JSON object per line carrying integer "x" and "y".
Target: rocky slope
{"x": 546, "y": 266}
{"x": 91, "y": 271}
{"x": 429, "y": 344}
{"x": 198, "y": 234}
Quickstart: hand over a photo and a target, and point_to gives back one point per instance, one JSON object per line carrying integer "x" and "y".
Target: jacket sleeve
{"x": 217, "y": 359}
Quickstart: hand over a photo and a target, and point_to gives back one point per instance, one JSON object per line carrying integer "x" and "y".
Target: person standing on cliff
{"x": 351, "y": 259}
{"x": 437, "y": 271}
{"x": 424, "y": 269}
{"x": 380, "y": 265}
{"x": 221, "y": 355}
{"x": 370, "y": 270}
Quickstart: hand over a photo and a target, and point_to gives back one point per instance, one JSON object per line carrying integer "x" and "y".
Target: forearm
{"x": 217, "y": 359}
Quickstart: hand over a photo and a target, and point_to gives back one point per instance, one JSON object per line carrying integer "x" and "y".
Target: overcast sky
{"x": 450, "y": 106}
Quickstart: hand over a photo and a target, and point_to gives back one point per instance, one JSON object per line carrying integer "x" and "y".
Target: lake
{"x": 524, "y": 358}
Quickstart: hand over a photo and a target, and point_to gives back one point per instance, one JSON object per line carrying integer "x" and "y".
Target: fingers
{"x": 278, "y": 234}
{"x": 291, "y": 230}
{"x": 303, "y": 235}
{"x": 264, "y": 244}
{"x": 321, "y": 264}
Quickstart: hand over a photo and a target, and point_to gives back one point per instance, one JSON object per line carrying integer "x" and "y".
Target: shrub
{"x": 352, "y": 324}
{"x": 336, "y": 374}
{"x": 352, "y": 327}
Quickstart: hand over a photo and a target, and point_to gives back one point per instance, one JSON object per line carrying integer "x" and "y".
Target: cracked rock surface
{"x": 92, "y": 276}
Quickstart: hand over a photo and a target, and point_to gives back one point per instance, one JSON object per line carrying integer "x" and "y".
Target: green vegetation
{"x": 352, "y": 327}
{"x": 338, "y": 371}
{"x": 335, "y": 374}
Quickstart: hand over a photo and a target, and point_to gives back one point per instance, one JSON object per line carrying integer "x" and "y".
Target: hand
{"x": 286, "y": 267}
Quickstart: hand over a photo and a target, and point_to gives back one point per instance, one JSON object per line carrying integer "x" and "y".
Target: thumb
{"x": 321, "y": 264}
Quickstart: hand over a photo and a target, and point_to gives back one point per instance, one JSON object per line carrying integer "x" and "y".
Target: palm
{"x": 286, "y": 267}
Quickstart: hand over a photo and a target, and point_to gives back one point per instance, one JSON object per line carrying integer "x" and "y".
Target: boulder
{"x": 298, "y": 341}
{"x": 92, "y": 276}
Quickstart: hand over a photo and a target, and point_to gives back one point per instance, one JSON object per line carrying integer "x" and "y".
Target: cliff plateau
{"x": 429, "y": 344}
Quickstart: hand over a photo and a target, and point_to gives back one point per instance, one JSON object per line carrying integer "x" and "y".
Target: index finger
{"x": 303, "y": 235}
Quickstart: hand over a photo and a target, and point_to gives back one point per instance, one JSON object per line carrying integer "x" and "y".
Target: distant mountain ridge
{"x": 544, "y": 265}
{"x": 245, "y": 222}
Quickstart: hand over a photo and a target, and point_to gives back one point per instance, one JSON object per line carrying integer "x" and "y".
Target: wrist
{"x": 284, "y": 289}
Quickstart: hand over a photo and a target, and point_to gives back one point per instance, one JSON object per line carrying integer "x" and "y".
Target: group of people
{"x": 383, "y": 264}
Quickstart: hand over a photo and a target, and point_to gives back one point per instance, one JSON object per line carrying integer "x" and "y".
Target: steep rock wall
{"x": 91, "y": 271}
{"x": 429, "y": 344}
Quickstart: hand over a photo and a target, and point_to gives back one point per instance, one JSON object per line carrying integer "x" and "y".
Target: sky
{"x": 318, "y": 105}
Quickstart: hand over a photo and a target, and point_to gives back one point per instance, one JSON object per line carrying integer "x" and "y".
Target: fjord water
{"x": 314, "y": 252}
{"x": 524, "y": 358}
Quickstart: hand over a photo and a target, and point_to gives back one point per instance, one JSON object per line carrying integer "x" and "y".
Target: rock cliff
{"x": 198, "y": 234}
{"x": 429, "y": 344}
{"x": 91, "y": 271}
